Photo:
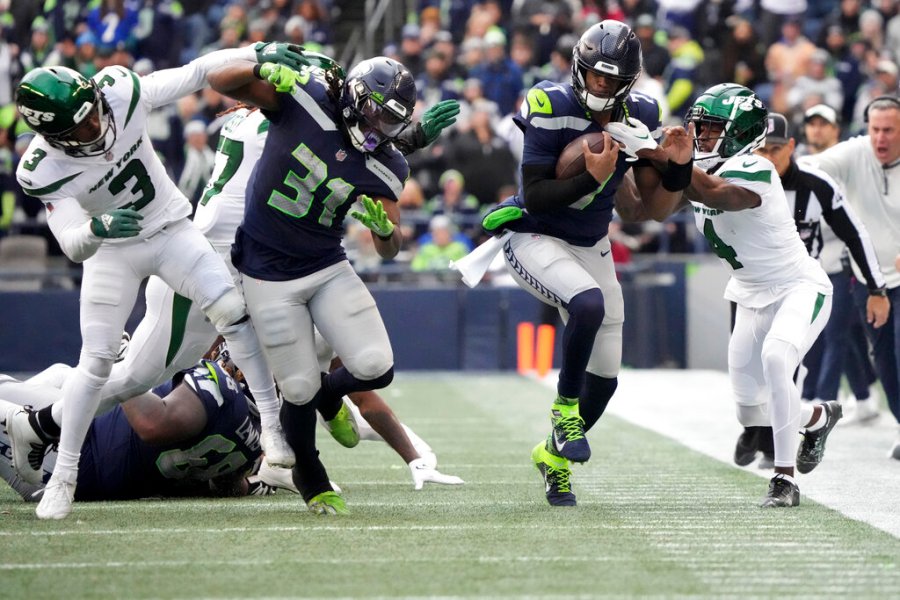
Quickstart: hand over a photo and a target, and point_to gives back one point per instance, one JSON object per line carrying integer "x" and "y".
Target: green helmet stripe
{"x": 52, "y": 187}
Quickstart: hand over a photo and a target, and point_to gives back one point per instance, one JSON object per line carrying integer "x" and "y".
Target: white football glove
{"x": 634, "y": 137}
{"x": 423, "y": 473}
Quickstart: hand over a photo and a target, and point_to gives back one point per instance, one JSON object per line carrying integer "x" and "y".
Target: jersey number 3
{"x": 305, "y": 189}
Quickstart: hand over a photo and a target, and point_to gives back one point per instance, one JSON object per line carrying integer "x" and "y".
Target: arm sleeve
{"x": 168, "y": 85}
{"x": 544, "y": 193}
{"x": 850, "y": 229}
{"x": 72, "y": 228}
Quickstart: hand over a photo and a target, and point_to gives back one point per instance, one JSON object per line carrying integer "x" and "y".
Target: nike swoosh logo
{"x": 642, "y": 137}
{"x": 539, "y": 102}
{"x": 602, "y": 253}
{"x": 749, "y": 164}
{"x": 556, "y": 443}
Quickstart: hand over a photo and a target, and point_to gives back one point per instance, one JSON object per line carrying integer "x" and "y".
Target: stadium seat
{"x": 23, "y": 263}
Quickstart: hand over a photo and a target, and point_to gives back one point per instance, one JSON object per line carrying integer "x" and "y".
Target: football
{"x": 571, "y": 159}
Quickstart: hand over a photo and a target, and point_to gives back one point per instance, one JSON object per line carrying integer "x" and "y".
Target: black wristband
{"x": 256, "y": 71}
{"x": 677, "y": 177}
{"x": 882, "y": 292}
{"x": 386, "y": 239}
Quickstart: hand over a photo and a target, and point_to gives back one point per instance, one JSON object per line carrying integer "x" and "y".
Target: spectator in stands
{"x": 63, "y": 53}
{"x": 40, "y": 46}
{"x": 687, "y": 55}
{"x": 10, "y": 67}
{"x": 559, "y": 69}
{"x": 435, "y": 255}
{"x": 656, "y": 57}
{"x": 742, "y": 55}
{"x": 883, "y": 81}
{"x": 443, "y": 43}
{"x": 871, "y": 28}
{"x": 786, "y": 60}
{"x": 846, "y": 69}
{"x": 471, "y": 54}
{"x": 846, "y": 16}
{"x": 411, "y": 49}
{"x": 776, "y": 12}
{"x": 85, "y": 54}
{"x": 318, "y": 21}
{"x": 295, "y": 30}
{"x": 113, "y": 23}
{"x": 434, "y": 85}
{"x": 817, "y": 81}
{"x": 199, "y": 160}
{"x": 456, "y": 202}
{"x": 546, "y": 21}
{"x": 521, "y": 52}
{"x": 481, "y": 156}
{"x": 501, "y": 78}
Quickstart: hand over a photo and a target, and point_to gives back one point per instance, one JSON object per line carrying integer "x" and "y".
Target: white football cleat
{"x": 278, "y": 452}
{"x": 26, "y": 446}
{"x": 423, "y": 473}
{"x": 57, "y": 500}
{"x": 865, "y": 414}
{"x": 276, "y": 477}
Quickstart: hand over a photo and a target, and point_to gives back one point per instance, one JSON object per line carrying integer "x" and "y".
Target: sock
{"x": 44, "y": 424}
{"x": 586, "y": 312}
{"x": 247, "y": 355}
{"x": 818, "y": 423}
{"x": 787, "y": 477}
{"x": 595, "y": 397}
{"x": 309, "y": 473}
{"x": 82, "y": 393}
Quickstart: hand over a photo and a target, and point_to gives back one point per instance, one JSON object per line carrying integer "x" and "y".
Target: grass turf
{"x": 654, "y": 519}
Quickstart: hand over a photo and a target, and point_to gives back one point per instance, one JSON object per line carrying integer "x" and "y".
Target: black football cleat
{"x": 783, "y": 493}
{"x": 747, "y": 446}
{"x": 812, "y": 448}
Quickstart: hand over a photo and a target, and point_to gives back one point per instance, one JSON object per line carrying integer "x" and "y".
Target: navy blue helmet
{"x": 377, "y": 102}
{"x": 611, "y": 49}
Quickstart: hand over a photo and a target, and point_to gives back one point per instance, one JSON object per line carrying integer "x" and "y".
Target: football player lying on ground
{"x": 200, "y": 439}
{"x": 28, "y": 439}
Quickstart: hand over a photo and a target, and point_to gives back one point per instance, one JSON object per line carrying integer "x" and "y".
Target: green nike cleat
{"x": 343, "y": 427}
{"x": 328, "y": 503}
{"x": 567, "y": 439}
{"x": 556, "y": 473}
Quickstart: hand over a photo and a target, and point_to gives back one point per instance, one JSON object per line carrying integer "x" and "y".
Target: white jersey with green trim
{"x": 221, "y": 208}
{"x": 130, "y": 175}
{"x": 760, "y": 246}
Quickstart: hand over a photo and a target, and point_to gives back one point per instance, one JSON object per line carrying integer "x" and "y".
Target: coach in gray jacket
{"x": 868, "y": 167}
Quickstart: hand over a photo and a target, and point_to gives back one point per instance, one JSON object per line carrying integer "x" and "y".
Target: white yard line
{"x": 696, "y": 409}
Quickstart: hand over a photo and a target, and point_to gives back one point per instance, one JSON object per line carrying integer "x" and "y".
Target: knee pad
{"x": 756, "y": 415}
{"x": 227, "y": 311}
{"x": 588, "y": 308}
{"x": 371, "y": 364}
{"x": 779, "y": 359}
{"x": 95, "y": 367}
{"x": 298, "y": 390}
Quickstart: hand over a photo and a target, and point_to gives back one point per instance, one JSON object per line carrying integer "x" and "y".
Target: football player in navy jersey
{"x": 559, "y": 250}
{"x": 329, "y": 145}
{"x": 203, "y": 439}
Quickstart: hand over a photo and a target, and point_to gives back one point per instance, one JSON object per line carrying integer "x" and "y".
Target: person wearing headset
{"x": 867, "y": 167}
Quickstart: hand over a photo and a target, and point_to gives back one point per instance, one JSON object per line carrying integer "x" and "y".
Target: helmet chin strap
{"x": 598, "y": 103}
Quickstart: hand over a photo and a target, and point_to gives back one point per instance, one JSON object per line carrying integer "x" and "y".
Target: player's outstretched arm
{"x": 254, "y": 84}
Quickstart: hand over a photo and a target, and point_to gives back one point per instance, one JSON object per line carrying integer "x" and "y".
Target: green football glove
{"x": 117, "y": 223}
{"x": 437, "y": 118}
{"x": 280, "y": 53}
{"x": 282, "y": 77}
{"x": 375, "y": 217}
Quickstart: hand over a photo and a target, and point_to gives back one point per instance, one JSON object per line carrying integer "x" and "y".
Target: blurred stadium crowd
{"x": 487, "y": 54}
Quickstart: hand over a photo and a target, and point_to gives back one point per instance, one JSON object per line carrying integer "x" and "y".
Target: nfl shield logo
{"x": 340, "y": 155}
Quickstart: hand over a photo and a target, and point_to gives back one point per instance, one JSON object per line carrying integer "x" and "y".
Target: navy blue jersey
{"x": 117, "y": 464}
{"x": 303, "y": 185}
{"x": 551, "y": 118}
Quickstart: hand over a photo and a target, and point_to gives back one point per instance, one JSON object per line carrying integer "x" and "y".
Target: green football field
{"x": 654, "y": 519}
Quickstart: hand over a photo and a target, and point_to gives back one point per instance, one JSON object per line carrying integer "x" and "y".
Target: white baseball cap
{"x": 821, "y": 110}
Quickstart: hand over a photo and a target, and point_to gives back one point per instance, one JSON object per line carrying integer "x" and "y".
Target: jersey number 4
{"x": 722, "y": 250}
